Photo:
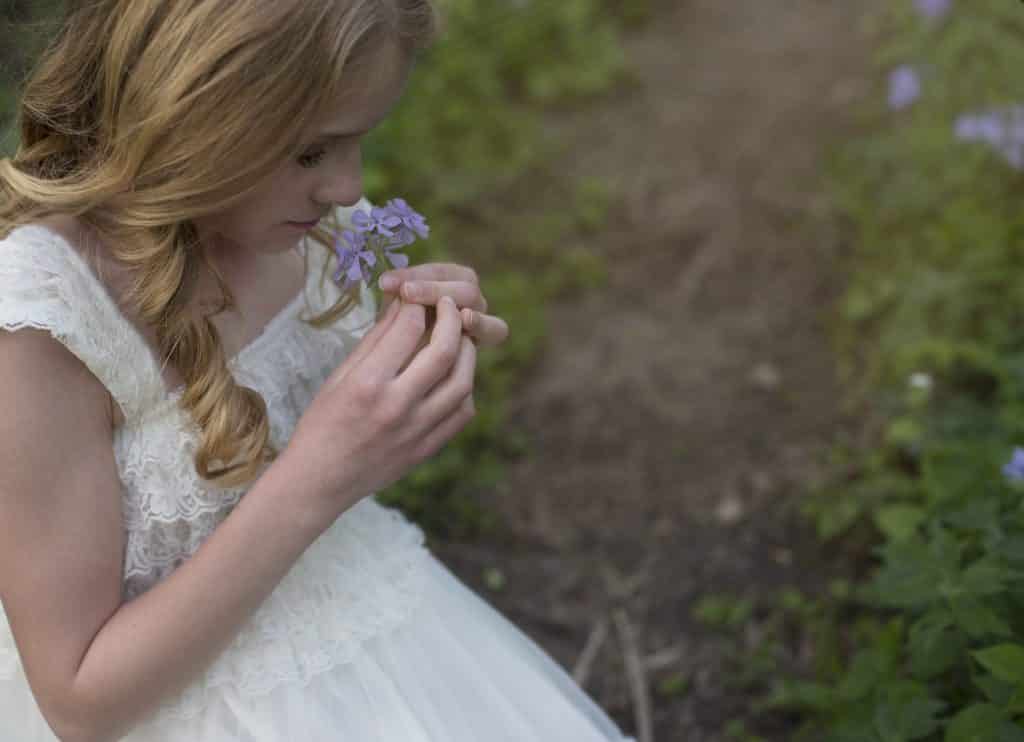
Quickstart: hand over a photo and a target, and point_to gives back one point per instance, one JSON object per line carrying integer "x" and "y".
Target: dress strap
{"x": 46, "y": 284}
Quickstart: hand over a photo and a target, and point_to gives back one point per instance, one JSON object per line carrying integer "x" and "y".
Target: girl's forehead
{"x": 374, "y": 88}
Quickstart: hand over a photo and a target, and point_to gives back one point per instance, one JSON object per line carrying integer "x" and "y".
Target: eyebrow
{"x": 327, "y": 136}
{"x": 343, "y": 134}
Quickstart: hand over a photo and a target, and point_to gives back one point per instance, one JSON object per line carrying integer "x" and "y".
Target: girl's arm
{"x": 96, "y": 666}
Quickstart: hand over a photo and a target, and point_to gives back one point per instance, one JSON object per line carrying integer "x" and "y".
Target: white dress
{"x": 368, "y": 638}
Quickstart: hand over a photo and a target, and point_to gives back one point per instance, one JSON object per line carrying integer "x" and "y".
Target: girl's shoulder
{"x": 51, "y": 282}
{"x": 74, "y": 234}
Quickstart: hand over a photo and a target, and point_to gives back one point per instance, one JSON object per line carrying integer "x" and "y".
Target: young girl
{"x": 196, "y": 417}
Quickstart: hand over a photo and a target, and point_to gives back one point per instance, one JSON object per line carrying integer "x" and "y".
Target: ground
{"x": 679, "y": 414}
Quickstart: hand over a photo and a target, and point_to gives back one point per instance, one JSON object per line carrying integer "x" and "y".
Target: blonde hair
{"x": 139, "y": 119}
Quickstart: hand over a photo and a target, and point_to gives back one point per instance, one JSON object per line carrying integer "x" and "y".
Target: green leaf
{"x": 906, "y": 712}
{"x": 951, "y": 473}
{"x": 1005, "y": 661}
{"x": 675, "y": 684}
{"x": 494, "y": 578}
{"x": 1015, "y": 705}
{"x": 934, "y": 644}
{"x": 869, "y": 669}
{"x": 899, "y": 522}
{"x": 1011, "y": 548}
{"x": 910, "y": 575}
{"x": 984, "y": 577}
{"x": 980, "y": 722}
{"x": 974, "y": 617}
{"x": 995, "y": 690}
{"x": 834, "y": 514}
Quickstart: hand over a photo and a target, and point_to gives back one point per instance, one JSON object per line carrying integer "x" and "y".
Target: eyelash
{"x": 312, "y": 159}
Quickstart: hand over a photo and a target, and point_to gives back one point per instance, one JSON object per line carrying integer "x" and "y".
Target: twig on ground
{"x": 663, "y": 658}
{"x": 636, "y": 675}
{"x": 594, "y": 643}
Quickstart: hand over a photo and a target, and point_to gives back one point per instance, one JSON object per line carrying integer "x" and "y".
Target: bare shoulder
{"x": 32, "y": 359}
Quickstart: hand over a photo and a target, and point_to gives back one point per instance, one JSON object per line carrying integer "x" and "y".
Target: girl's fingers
{"x": 428, "y": 367}
{"x": 384, "y": 321}
{"x": 485, "y": 329}
{"x": 397, "y": 346}
{"x": 433, "y": 272}
{"x": 450, "y": 395}
{"x": 429, "y": 293}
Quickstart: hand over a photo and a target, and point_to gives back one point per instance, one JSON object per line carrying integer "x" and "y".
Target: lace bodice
{"x": 359, "y": 578}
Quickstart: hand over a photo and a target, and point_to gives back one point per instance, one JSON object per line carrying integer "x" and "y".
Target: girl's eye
{"x": 313, "y": 158}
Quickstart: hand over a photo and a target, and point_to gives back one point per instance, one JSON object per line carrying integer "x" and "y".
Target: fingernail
{"x": 388, "y": 283}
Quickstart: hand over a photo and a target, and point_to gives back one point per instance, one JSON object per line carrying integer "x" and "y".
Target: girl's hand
{"x": 425, "y": 284}
{"x": 395, "y": 401}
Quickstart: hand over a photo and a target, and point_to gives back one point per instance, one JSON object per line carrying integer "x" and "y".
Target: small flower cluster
{"x": 905, "y": 81}
{"x": 904, "y": 87}
{"x": 376, "y": 237}
{"x": 933, "y": 9}
{"x": 1014, "y": 470}
{"x": 1002, "y": 129}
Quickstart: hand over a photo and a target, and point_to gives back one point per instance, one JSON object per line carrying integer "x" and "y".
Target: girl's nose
{"x": 342, "y": 182}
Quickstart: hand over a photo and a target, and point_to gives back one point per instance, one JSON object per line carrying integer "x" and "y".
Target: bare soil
{"x": 680, "y": 414}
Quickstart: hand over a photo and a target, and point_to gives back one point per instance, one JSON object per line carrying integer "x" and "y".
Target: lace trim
{"x": 155, "y": 455}
{"x": 167, "y": 509}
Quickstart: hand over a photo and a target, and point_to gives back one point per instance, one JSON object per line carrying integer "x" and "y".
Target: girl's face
{"x": 276, "y": 215}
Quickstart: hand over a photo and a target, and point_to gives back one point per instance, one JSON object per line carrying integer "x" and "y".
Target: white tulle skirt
{"x": 457, "y": 671}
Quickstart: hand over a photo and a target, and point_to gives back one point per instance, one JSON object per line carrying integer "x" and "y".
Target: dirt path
{"x": 678, "y": 414}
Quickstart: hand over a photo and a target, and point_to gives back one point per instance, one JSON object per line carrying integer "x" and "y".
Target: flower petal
{"x": 398, "y": 260}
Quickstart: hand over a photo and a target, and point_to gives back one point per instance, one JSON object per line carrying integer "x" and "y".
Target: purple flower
{"x": 409, "y": 218}
{"x": 1014, "y": 471}
{"x": 933, "y": 8}
{"x": 904, "y": 87}
{"x": 375, "y": 238}
{"x": 397, "y": 259}
{"x": 354, "y": 259}
{"x": 1002, "y": 129}
{"x": 379, "y": 220}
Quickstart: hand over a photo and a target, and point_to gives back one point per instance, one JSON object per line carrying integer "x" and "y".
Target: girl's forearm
{"x": 154, "y": 645}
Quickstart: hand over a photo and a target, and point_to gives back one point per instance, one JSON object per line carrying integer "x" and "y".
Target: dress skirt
{"x": 455, "y": 671}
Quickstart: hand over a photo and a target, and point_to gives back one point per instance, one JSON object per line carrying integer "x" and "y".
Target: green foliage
{"x": 675, "y": 685}
{"x": 932, "y": 340}
{"x": 723, "y": 611}
{"x": 25, "y": 26}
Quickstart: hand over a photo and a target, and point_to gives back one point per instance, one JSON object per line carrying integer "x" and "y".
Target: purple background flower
{"x": 1014, "y": 471}
{"x": 1002, "y": 129}
{"x": 933, "y": 8}
{"x": 904, "y": 87}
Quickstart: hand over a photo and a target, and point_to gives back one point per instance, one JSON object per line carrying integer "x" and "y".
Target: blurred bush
{"x": 931, "y": 334}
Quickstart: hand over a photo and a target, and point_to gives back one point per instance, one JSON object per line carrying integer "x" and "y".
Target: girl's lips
{"x": 304, "y": 225}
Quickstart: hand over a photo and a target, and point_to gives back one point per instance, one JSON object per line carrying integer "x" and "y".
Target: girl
{"x": 196, "y": 418}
